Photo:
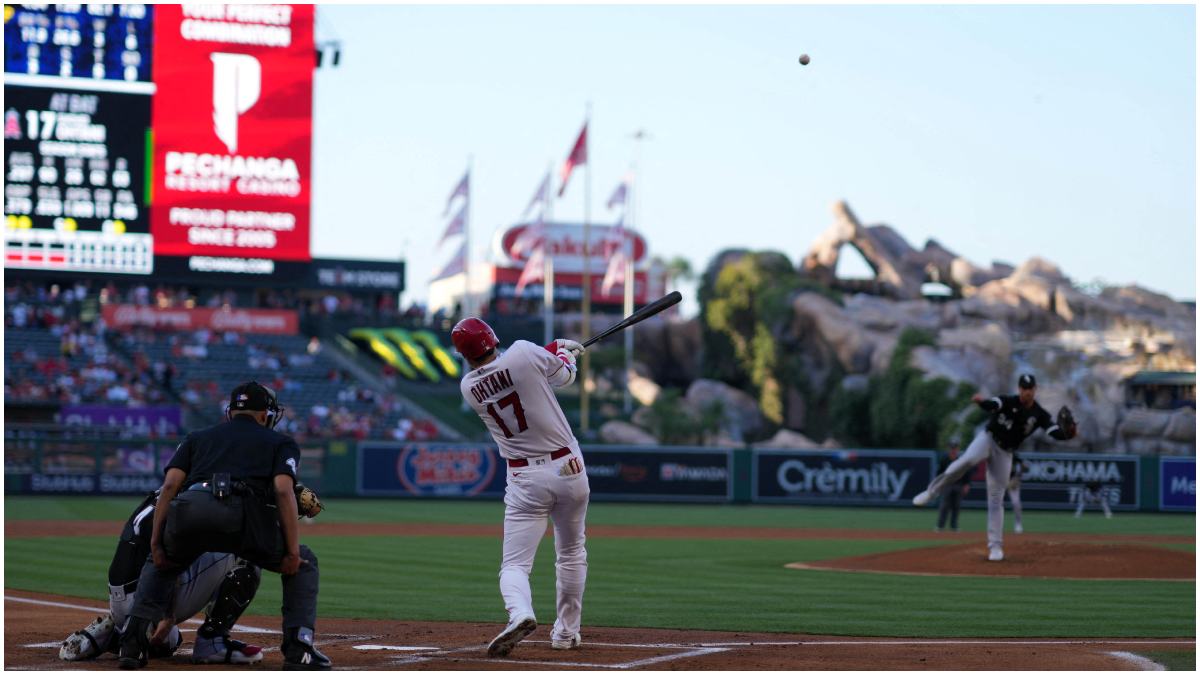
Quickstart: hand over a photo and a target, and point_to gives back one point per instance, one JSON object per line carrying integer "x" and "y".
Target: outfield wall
{"x": 623, "y": 473}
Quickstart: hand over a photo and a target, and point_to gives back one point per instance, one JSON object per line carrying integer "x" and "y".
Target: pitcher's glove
{"x": 1066, "y": 422}
{"x": 307, "y": 502}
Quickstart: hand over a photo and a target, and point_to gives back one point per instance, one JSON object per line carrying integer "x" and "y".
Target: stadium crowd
{"x": 59, "y": 350}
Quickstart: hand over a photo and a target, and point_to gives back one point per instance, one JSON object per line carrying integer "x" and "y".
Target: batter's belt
{"x": 557, "y": 454}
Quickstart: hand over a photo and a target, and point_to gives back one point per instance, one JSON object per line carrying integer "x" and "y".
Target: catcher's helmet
{"x": 473, "y": 338}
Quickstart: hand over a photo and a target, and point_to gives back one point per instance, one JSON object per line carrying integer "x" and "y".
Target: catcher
{"x": 1014, "y": 418}
{"x": 220, "y": 583}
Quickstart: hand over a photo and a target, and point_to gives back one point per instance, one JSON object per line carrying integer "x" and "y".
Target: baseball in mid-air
{"x": 804, "y": 59}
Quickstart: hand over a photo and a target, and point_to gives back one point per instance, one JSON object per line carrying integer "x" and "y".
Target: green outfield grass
{"x": 492, "y": 512}
{"x": 679, "y": 583}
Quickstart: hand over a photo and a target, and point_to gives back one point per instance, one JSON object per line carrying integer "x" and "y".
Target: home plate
{"x": 43, "y": 645}
{"x": 394, "y": 648}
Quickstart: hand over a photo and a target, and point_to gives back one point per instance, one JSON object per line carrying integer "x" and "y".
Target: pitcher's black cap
{"x": 1027, "y": 381}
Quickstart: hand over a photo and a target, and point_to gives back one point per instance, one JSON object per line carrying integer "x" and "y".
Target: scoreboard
{"x": 105, "y": 42}
{"x": 140, "y": 138}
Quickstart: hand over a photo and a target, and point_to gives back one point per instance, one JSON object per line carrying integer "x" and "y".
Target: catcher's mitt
{"x": 307, "y": 501}
{"x": 1066, "y": 422}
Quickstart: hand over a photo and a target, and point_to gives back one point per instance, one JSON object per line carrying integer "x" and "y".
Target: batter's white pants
{"x": 999, "y": 465}
{"x": 533, "y": 494}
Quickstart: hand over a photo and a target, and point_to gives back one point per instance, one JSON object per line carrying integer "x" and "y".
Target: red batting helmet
{"x": 473, "y": 338}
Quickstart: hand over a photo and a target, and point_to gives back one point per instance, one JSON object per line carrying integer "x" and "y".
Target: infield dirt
{"x": 35, "y": 623}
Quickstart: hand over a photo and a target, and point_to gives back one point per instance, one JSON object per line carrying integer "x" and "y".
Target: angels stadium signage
{"x": 564, "y": 241}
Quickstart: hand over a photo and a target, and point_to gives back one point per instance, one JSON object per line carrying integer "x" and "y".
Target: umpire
{"x": 234, "y": 483}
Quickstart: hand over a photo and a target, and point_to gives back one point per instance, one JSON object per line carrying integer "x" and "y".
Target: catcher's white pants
{"x": 999, "y": 465}
{"x": 533, "y": 494}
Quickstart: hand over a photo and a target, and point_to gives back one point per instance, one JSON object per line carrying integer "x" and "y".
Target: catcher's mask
{"x": 254, "y": 397}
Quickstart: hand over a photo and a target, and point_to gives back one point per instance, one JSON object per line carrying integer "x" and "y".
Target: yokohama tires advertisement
{"x": 233, "y": 131}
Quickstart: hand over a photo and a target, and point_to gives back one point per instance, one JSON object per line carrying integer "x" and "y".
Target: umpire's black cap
{"x": 251, "y": 396}
{"x": 1027, "y": 381}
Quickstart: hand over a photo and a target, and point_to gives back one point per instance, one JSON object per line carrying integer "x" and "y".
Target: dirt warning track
{"x": 35, "y": 623}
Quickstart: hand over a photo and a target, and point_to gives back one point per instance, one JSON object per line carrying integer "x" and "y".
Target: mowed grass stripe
{"x": 683, "y": 583}
{"x": 492, "y": 513}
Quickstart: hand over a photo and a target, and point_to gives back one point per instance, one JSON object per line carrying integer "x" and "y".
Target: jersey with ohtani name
{"x": 513, "y": 395}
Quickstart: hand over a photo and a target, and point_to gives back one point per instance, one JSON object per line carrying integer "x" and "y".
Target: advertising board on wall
{"x": 1177, "y": 484}
{"x": 477, "y": 470}
{"x": 429, "y": 470}
{"x": 85, "y": 483}
{"x": 1055, "y": 480}
{"x": 840, "y": 476}
{"x": 233, "y": 134}
{"x": 660, "y": 474}
{"x": 271, "y": 321}
{"x": 145, "y": 421}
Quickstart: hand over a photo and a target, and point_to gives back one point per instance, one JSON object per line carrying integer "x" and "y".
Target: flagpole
{"x": 635, "y": 211}
{"x": 466, "y": 303}
{"x": 548, "y": 273}
{"x": 586, "y": 331}
{"x": 627, "y": 247}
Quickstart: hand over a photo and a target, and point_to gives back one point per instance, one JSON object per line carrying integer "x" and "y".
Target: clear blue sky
{"x": 1004, "y": 132}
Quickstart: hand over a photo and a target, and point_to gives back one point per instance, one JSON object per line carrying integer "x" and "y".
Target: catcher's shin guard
{"x": 232, "y": 598}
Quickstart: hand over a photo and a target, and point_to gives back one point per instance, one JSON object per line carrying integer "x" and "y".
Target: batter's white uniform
{"x": 514, "y": 397}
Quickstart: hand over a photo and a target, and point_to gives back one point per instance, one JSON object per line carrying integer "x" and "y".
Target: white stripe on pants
{"x": 999, "y": 464}
{"x": 533, "y": 494}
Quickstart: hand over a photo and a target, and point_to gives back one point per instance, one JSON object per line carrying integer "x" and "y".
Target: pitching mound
{"x": 1027, "y": 557}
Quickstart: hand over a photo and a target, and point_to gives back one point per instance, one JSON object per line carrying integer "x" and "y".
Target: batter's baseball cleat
{"x": 572, "y": 642}
{"x": 922, "y": 499}
{"x": 299, "y": 653}
{"x": 90, "y": 642}
{"x": 995, "y": 554}
{"x": 516, "y": 630}
{"x": 1017, "y": 529}
{"x": 223, "y": 649}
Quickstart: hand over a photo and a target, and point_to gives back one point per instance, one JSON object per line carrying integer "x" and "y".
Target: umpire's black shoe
{"x": 135, "y": 645}
{"x": 299, "y": 652}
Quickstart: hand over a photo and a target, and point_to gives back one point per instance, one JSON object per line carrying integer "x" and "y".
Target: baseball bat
{"x": 637, "y": 317}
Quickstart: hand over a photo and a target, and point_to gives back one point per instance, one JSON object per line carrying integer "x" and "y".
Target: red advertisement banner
{"x": 232, "y": 118}
{"x": 275, "y": 321}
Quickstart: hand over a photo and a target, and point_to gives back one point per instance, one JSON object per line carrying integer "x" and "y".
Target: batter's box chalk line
{"x": 686, "y": 652}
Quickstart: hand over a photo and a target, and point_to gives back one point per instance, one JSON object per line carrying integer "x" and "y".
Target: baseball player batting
{"x": 1014, "y": 418}
{"x": 513, "y": 393}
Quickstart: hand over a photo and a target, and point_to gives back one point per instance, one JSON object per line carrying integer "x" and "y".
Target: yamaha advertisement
{"x": 1177, "y": 484}
{"x": 660, "y": 474}
{"x": 429, "y": 470}
{"x": 1057, "y": 480}
{"x": 840, "y": 476}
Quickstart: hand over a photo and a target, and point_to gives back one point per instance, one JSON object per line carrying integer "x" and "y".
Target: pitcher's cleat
{"x": 995, "y": 554}
{"x": 923, "y": 498}
{"x": 516, "y": 630}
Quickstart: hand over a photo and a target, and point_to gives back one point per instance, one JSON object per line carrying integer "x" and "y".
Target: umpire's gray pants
{"x": 999, "y": 465}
